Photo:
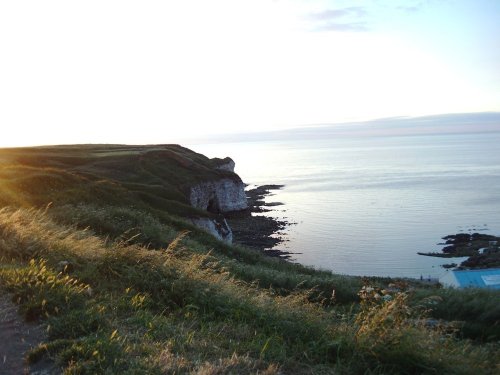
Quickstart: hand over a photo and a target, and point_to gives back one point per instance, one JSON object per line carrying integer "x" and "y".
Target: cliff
{"x": 219, "y": 196}
{"x": 217, "y": 227}
{"x": 226, "y": 164}
{"x": 168, "y": 178}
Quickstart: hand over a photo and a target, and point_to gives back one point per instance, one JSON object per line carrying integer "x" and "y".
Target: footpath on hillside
{"x": 17, "y": 337}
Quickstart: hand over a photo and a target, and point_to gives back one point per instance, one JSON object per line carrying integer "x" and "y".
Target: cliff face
{"x": 167, "y": 177}
{"x": 216, "y": 227}
{"x": 220, "y": 196}
{"x": 226, "y": 164}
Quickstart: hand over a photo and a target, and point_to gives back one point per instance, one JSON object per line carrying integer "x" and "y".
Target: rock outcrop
{"x": 226, "y": 164}
{"x": 216, "y": 227}
{"x": 219, "y": 196}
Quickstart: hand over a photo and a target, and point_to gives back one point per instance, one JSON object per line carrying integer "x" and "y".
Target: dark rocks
{"x": 255, "y": 230}
{"x": 482, "y": 249}
{"x": 256, "y": 196}
{"x": 217, "y": 227}
{"x": 487, "y": 260}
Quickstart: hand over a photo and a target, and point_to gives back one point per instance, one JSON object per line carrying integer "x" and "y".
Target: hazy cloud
{"x": 336, "y": 26}
{"x": 416, "y": 6}
{"x": 335, "y": 14}
{"x": 452, "y": 123}
{"x": 344, "y": 19}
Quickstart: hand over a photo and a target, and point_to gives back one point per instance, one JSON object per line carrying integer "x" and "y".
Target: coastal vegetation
{"x": 96, "y": 245}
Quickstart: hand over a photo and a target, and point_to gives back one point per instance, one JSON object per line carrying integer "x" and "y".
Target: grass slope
{"x": 156, "y": 176}
{"x": 123, "y": 288}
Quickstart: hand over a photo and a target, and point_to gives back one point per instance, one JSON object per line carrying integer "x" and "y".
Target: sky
{"x": 159, "y": 71}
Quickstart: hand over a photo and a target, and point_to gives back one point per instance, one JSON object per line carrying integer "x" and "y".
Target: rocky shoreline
{"x": 482, "y": 250}
{"x": 255, "y": 230}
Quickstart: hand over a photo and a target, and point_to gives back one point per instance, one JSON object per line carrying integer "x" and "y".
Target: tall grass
{"x": 115, "y": 306}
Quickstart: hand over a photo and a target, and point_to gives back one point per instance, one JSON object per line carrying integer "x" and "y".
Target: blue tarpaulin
{"x": 483, "y": 278}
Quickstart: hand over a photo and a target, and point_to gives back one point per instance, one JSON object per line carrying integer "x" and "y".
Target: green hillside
{"x": 95, "y": 245}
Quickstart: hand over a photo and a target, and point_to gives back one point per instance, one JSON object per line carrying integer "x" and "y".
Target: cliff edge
{"x": 169, "y": 178}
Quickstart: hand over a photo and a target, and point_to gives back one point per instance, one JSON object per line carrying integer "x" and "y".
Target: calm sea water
{"x": 366, "y": 206}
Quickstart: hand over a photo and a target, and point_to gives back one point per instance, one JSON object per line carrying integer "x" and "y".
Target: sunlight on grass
{"x": 99, "y": 249}
{"x": 112, "y": 306}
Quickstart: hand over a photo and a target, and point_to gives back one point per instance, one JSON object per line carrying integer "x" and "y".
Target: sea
{"x": 365, "y": 206}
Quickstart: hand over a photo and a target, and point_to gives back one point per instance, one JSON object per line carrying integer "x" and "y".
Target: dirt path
{"x": 16, "y": 338}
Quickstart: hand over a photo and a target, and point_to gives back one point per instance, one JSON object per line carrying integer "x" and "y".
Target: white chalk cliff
{"x": 219, "y": 196}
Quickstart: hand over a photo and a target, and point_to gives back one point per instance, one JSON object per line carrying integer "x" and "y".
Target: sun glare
{"x": 128, "y": 72}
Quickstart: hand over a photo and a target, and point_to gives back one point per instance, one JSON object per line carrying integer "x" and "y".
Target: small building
{"x": 481, "y": 278}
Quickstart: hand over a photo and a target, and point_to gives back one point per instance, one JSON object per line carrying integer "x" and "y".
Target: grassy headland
{"x": 94, "y": 244}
